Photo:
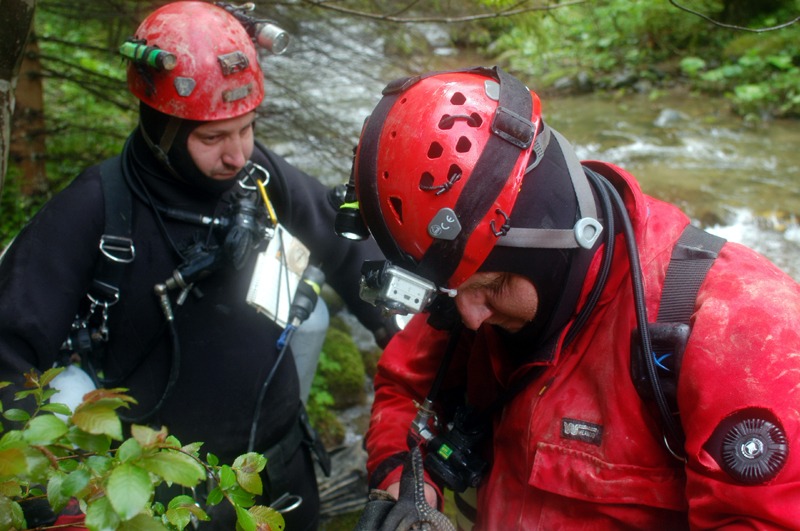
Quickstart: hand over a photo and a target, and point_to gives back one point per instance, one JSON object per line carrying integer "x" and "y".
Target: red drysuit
{"x": 578, "y": 448}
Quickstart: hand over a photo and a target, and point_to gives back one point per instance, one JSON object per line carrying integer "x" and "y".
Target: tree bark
{"x": 27, "y": 149}
{"x": 16, "y": 19}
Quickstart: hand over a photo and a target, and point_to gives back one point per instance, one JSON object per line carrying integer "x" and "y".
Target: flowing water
{"x": 740, "y": 181}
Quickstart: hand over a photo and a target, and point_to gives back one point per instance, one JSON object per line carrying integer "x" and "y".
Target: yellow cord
{"x": 270, "y": 210}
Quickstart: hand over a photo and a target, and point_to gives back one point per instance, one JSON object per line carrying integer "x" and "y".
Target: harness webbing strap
{"x": 116, "y": 245}
{"x": 692, "y": 257}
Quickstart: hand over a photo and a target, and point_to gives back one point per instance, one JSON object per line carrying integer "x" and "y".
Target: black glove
{"x": 410, "y": 511}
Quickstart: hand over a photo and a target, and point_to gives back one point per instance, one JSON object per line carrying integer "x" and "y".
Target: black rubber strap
{"x": 692, "y": 257}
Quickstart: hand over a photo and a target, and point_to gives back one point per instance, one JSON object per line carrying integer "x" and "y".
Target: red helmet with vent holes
{"x": 216, "y": 74}
{"x": 439, "y": 166}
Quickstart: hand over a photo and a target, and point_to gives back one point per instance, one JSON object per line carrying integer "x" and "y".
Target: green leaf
{"x": 37, "y": 465}
{"x": 12, "y": 439}
{"x": 250, "y": 462}
{"x": 214, "y": 497}
{"x": 212, "y": 459}
{"x": 269, "y": 516}
{"x": 12, "y": 463}
{"x": 11, "y": 516}
{"x": 55, "y": 494}
{"x": 17, "y": 415}
{"x": 129, "y": 450}
{"x": 99, "y": 444}
{"x": 180, "y": 517}
{"x": 250, "y": 481}
{"x": 100, "y": 516}
{"x": 227, "y": 478}
{"x": 244, "y": 520}
{"x": 241, "y": 497}
{"x": 175, "y": 467}
{"x": 192, "y": 449}
{"x": 98, "y": 419}
{"x": 147, "y": 437}
{"x": 181, "y": 509}
{"x": 75, "y": 482}
{"x": 247, "y": 468}
{"x": 11, "y": 489}
{"x": 48, "y": 375}
{"x": 45, "y": 429}
{"x": 99, "y": 464}
{"x": 142, "y": 522}
{"x": 57, "y": 407}
{"x": 128, "y": 489}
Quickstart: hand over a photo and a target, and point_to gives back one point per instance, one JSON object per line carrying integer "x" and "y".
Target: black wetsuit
{"x": 226, "y": 347}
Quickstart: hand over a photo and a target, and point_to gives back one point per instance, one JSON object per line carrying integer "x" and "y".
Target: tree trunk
{"x": 28, "y": 137}
{"x": 15, "y": 24}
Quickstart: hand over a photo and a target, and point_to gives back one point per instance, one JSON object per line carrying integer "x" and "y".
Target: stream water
{"x": 740, "y": 181}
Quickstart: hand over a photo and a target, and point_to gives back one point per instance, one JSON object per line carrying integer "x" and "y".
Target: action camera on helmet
{"x": 394, "y": 289}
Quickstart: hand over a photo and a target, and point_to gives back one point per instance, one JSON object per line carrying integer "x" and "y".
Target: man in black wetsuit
{"x": 197, "y": 222}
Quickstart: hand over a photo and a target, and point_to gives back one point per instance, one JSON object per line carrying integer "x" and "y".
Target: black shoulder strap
{"x": 692, "y": 257}
{"x": 116, "y": 245}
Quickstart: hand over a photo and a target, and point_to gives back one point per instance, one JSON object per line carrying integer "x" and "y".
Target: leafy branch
{"x": 60, "y": 455}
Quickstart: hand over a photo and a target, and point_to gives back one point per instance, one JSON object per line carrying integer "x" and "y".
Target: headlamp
{"x": 348, "y": 223}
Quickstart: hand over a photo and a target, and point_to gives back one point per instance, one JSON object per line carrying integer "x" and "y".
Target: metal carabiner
{"x": 250, "y": 174}
{"x": 286, "y": 503}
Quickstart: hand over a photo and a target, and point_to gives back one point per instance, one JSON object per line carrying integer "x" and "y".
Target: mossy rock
{"x": 336, "y": 322}
{"x": 371, "y": 358}
{"x": 345, "y": 376}
{"x": 332, "y": 300}
{"x": 329, "y": 427}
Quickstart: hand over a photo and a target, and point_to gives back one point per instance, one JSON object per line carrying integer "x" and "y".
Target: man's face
{"x": 506, "y": 300}
{"x": 222, "y": 147}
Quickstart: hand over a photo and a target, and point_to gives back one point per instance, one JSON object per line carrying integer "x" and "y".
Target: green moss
{"x": 338, "y": 323}
{"x": 371, "y": 358}
{"x": 345, "y": 375}
{"x": 332, "y": 300}
{"x": 330, "y": 429}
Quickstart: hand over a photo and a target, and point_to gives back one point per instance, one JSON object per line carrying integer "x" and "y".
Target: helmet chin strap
{"x": 163, "y": 147}
{"x": 586, "y": 230}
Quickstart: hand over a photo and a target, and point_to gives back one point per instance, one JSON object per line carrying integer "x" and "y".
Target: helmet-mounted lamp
{"x": 265, "y": 33}
{"x": 348, "y": 223}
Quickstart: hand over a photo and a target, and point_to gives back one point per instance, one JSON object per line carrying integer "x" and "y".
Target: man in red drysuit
{"x": 536, "y": 275}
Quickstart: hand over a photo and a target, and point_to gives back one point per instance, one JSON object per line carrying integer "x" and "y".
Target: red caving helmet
{"x": 216, "y": 73}
{"x": 418, "y": 158}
